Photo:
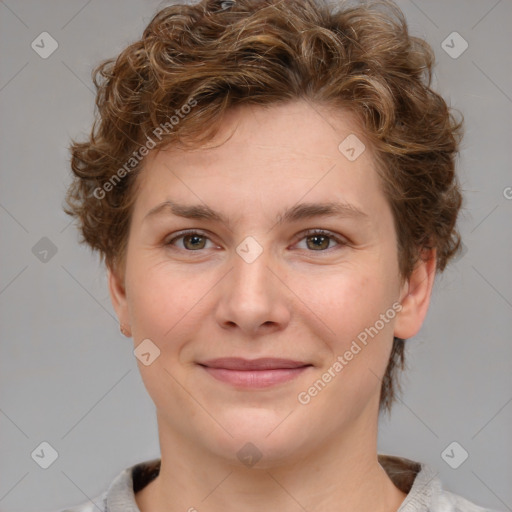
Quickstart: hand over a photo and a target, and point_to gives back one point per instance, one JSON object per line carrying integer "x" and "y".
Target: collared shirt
{"x": 420, "y": 483}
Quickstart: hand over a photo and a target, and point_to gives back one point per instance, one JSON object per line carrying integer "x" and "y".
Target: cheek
{"x": 360, "y": 343}
{"x": 350, "y": 303}
{"x": 165, "y": 307}
{"x": 161, "y": 301}
{"x": 346, "y": 302}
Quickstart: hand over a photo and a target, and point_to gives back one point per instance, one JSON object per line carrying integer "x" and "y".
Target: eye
{"x": 320, "y": 239}
{"x": 317, "y": 240}
{"x": 192, "y": 240}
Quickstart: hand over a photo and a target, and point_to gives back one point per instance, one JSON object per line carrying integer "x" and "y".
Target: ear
{"x": 415, "y": 296}
{"x": 117, "y": 291}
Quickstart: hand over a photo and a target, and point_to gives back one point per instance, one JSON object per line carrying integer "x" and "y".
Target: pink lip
{"x": 263, "y": 363}
{"x": 255, "y": 373}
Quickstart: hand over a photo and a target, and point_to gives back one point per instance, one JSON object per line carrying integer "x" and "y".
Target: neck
{"x": 343, "y": 474}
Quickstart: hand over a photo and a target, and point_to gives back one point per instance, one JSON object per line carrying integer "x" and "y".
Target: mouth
{"x": 255, "y": 373}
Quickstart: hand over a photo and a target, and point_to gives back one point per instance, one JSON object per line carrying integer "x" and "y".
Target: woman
{"x": 271, "y": 186}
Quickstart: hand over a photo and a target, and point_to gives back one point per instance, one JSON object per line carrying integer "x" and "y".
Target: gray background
{"x": 69, "y": 378}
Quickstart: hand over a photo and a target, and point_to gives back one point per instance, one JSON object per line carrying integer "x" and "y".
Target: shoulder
{"x": 447, "y": 501}
{"x": 120, "y": 495}
{"x": 98, "y": 504}
{"x": 424, "y": 490}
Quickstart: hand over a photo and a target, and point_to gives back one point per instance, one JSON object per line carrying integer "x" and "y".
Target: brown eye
{"x": 192, "y": 241}
{"x": 320, "y": 240}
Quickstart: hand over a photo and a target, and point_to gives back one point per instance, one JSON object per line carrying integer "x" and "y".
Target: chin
{"x": 263, "y": 434}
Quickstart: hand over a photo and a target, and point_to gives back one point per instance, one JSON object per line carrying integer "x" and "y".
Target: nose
{"x": 253, "y": 296}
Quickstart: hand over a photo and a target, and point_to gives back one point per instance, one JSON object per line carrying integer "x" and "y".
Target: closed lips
{"x": 240, "y": 364}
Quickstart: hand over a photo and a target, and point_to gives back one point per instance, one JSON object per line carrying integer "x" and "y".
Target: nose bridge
{"x": 251, "y": 294}
{"x": 251, "y": 276}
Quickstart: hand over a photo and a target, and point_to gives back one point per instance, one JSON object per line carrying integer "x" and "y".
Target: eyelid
{"x": 341, "y": 241}
{"x": 181, "y": 234}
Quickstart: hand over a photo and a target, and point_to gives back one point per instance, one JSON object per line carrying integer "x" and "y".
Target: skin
{"x": 295, "y": 301}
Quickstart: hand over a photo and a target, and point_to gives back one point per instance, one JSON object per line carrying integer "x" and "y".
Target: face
{"x": 253, "y": 273}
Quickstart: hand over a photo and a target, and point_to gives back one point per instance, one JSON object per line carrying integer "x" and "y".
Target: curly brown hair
{"x": 195, "y": 62}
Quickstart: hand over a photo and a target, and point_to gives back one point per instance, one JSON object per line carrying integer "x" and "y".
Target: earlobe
{"x": 118, "y": 298}
{"x": 416, "y": 293}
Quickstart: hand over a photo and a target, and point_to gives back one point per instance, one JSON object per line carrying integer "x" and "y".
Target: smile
{"x": 258, "y": 373}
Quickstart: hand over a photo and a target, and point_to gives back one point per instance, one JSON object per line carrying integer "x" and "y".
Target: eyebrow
{"x": 295, "y": 213}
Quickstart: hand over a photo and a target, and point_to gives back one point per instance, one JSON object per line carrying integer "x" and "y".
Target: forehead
{"x": 265, "y": 158}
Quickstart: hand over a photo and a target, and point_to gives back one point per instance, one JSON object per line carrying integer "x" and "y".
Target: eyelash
{"x": 305, "y": 234}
